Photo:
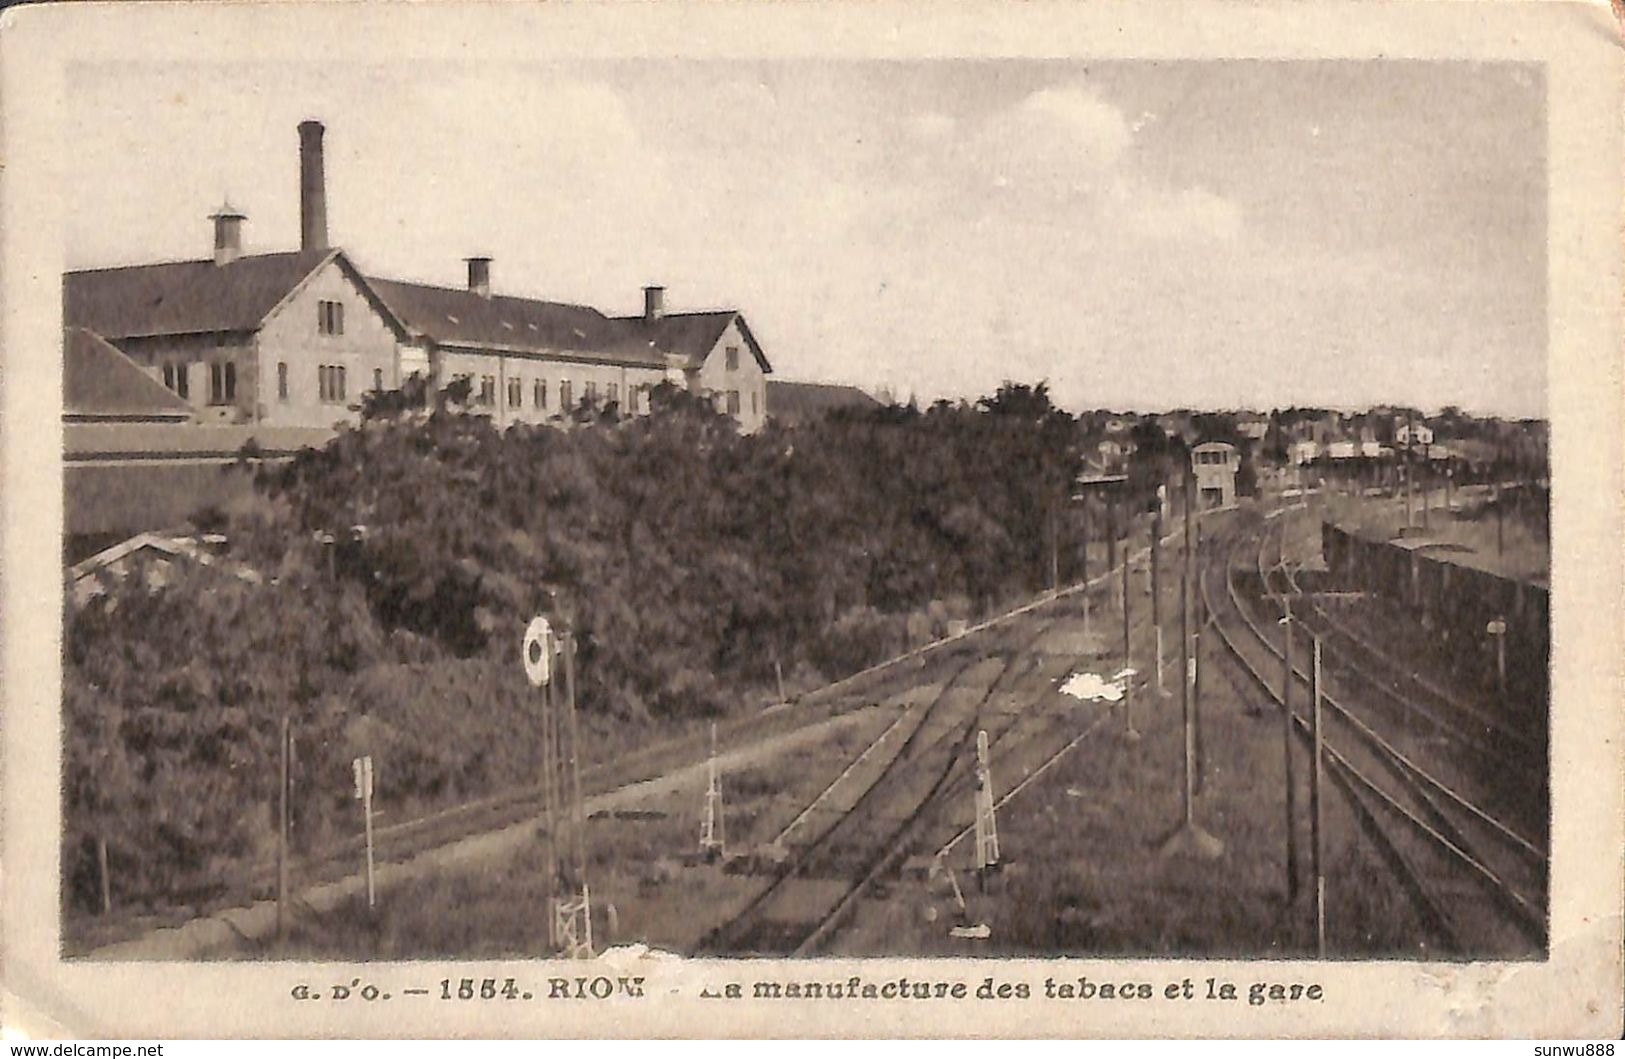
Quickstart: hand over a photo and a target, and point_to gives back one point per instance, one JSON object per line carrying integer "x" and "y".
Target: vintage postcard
{"x": 820, "y": 520}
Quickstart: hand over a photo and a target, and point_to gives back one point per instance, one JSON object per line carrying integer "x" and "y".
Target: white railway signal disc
{"x": 538, "y": 651}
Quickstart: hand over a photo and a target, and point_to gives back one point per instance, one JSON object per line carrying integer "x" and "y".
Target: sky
{"x": 1140, "y": 235}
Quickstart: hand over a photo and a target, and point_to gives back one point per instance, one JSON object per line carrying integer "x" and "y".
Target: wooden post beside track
{"x": 1286, "y": 749}
{"x": 1156, "y": 579}
{"x": 1083, "y": 507}
{"x": 101, "y": 866}
{"x": 282, "y": 834}
{"x": 1316, "y": 806}
{"x": 1128, "y": 673}
{"x": 1188, "y": 837}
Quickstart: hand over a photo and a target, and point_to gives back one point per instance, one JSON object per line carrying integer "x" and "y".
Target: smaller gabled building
{"x": 792, "y": 404}
{"x": 1215, "y": 464}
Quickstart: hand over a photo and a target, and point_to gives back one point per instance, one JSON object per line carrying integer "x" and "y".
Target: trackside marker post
{"x": 1498, "y": 629}
{"x": 987, "y": 828}
{"x": 712, "y": 837}
{"x": 363, "y": 792}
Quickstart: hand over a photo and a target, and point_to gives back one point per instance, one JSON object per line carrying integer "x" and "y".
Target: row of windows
{"x": 330, "y": 383}
{"x": 222, "y": 380}
{"x": 485, "y": 394}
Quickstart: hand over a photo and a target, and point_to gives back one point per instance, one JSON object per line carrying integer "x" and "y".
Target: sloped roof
{"x": 100, "y": 381}
{"x": 801, "y": 400}
{"x": 691, "y": 335}
{"x": 184, "y": 297}
{"x": 459, "y": 317}
{"x": 456, "y": 316}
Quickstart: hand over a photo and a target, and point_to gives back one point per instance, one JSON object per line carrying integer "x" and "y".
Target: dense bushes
{"x": 396, "y": 566}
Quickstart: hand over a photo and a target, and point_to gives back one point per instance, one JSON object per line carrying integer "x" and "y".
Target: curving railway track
{"x": 1477, "y": 883}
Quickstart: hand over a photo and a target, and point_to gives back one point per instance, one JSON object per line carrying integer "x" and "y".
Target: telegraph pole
{"x": 1188, "y": 836}
{"x": 1156, "y": 577}
{"x": 1286, "y": 750}
{"x": 1128, "y": 673}
{"x": 1317, "y": 852}
{"x": 1083, "y": 500}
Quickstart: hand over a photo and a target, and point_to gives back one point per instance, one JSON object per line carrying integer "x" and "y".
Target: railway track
{"x": 1446, "y": 713}
{"x": 1460, "y": 733}
{"x": 886, "y": 805}
{"x": 1477, "y": 885}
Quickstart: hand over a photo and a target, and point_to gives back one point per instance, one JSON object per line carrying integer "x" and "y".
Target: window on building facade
{"x": 564, "y": 395}
{"x": 169, "y": 375}
{"x": 539, "y": 397}
{"x": 330, "y": 317}
{"x": 516, "y": 393}
{"x": 754, "y": 410}
{"x": 733, "y": 358}
{"x": 282, "y": 380}
{"x": 378, "y": 379}
{"x": 488, "y": 389}
{"x": 733, "y": 402}
{"x": 589, "y": 391}
{"x": 222, "y": 382}
{"x": 330, "y": 383}
{"x": 632, "y": 399}
{"x": 612, "y": 393}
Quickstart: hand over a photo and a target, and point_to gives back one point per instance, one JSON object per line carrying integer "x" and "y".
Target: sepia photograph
{"x": 806, "y": 509}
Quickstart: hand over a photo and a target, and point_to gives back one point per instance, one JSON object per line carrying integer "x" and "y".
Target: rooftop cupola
{"x": 228, "y": 233}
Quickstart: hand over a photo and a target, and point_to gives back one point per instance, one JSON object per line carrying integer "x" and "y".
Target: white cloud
{"x": 1188, "y": 213}
{"x": 1058, "y": 142}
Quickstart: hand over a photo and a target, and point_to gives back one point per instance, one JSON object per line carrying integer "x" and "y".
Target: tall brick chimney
{"x": 479, "y": 275}
{"x": 228, "y": 234}
{"x": 312, "y": 188}
{"x": 654, "y": 303}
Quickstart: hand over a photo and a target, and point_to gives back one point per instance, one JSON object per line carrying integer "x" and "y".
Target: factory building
{"x": 294, "y": 339}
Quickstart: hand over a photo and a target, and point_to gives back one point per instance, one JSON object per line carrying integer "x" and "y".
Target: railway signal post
{"x": 569, "y": 917}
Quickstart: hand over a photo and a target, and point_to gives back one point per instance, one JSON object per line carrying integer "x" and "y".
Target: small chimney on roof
{"x": 654, "y": 303}
{"x": 479, "y": 275}
{"x": 228, "y": 234}
{"x": 312, "y": 188}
